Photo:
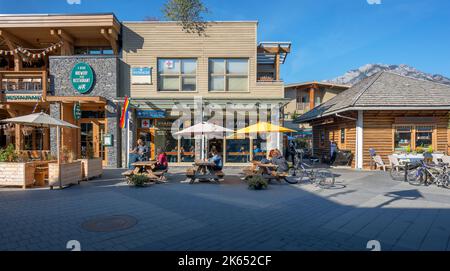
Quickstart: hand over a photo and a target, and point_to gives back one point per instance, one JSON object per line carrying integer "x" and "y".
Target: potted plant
{"x": 92, "y": 166}
{"x": 257, "y": 182}
{"x": 67, "y": 172}
{"x": 14, "y": 170}
{"x": 138, "y": 180}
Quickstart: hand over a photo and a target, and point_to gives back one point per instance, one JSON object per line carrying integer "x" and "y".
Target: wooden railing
{"x": 24, "y": 82}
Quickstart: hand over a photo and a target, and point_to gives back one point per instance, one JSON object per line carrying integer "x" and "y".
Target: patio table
{"x": 147, "y": 167}
{"x": 265, "y": 170}
{"x": 203, "y": 170}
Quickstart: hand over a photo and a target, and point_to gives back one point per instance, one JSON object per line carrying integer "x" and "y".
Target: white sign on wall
{"x": 141, "y": 76}
{"x": 145, "y": 123}
{"x": 169, "y": 64}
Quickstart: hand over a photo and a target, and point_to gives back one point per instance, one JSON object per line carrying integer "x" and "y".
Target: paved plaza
{"x": 228, "y": 216}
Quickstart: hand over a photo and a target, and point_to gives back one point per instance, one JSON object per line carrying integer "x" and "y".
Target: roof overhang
{"x": 373, "y": 108}
{"x": 142, "y": 103}
{"x": 35, "y": 31}
{"x": 71, "y": 99}
{"x": 267, "y": 52}
{"x": 318, "y": 84}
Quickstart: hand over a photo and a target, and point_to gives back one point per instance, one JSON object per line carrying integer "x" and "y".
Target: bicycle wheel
{"x": 397, "y": 174}
{"x": 324, "y": 178}
{"x": 444, "y": 180}
{"x": 417, "y": 176}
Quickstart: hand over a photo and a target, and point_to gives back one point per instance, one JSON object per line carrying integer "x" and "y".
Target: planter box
{"x": 91, "y": 168}
{"x": 16, "y": 174}
{"x": 71, "y": 173}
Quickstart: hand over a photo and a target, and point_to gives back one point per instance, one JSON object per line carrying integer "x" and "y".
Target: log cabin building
{"x": 387, "y": 112}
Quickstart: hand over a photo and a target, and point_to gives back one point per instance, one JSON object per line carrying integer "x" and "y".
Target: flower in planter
{"x": 138, "y": 180}
{"x": 8, "y": 154}
{"x": 257, "y": 183}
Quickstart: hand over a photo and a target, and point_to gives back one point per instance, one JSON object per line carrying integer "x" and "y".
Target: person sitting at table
{"x": 256, "y": 153}
{"x": 217, "y": 160}
{"x": 139, "y": 153}
{"x": 279, "y": 161}
{"x": 161, "y": 160}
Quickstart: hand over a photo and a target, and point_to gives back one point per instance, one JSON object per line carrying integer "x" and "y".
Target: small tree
{"x": 188, "y": 13}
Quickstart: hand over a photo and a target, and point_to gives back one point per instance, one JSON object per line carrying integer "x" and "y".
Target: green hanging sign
{"x": 82, "y": 77}
{"x": 76, "y": 111}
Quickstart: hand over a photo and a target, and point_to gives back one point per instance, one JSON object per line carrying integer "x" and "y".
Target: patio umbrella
{"x": 42, "y": 120}
{"x": 204, "y": 129}
{"x": 264, "y": 127}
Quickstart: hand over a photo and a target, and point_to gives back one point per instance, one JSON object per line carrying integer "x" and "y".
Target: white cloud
{"x": 374, "y": 2}
{"x": 72, "y": 2}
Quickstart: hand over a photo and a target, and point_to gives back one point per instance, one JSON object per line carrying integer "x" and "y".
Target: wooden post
{"x": 277, "y": 66}
{"x": 44, "y": 85}
{"x": 18, "y": 137}
{"x": 312, "y": 95}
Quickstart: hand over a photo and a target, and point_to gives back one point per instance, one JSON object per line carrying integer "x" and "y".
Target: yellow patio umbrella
{"x": 264, "y": 127}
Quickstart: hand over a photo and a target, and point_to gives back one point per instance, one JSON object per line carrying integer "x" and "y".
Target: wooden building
{"x": 305, "y": 96}
{"x": 165, "y": 66}
{"x": 387, "y": 112}
{"x": 38, "y": 52}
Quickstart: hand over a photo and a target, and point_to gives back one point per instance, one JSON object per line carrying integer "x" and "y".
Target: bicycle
{"x": 321, "y": 177}
{"x": 427, "y": 174}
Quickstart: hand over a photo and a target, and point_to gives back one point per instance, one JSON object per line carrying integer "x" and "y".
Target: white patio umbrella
{"x": 42, "y": 120}
{"x": 205, "y": 130}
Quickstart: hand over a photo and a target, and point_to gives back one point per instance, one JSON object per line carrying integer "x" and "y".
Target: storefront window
{"x": 228, "y": 74}
{"x": 424, "y": 136}
{"x": 259, "y": 149}
{"x": 402, "y": 139}
{"x": 187, "y": 150}
{"x": 164, "y": 139}
{"x": 177, "y": 74}
{"x": 238, "y": 151}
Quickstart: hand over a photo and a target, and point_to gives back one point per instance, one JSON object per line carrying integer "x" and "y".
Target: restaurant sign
{"x": 23, "y": 97}
{"x": 141, "y": 76}
{"x": 82, "y": 77}
{"x": 151, "y": 114}
{"x": 76, "y": 111}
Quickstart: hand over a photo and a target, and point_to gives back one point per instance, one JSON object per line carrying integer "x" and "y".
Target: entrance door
{"x": 92, "y": 132}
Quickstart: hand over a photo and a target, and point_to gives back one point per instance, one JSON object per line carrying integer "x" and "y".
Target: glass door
{"x": 92, "y": 132}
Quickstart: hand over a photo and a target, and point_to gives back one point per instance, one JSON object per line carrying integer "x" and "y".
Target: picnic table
{"x": 267, "y": 171}
{"x": 147, "y": 168}
{"x": 203, "y": 170}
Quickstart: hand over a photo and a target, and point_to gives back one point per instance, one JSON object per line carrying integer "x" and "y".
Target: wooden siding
{"x": 144, "y": 43}
{"x": 333, "y": 133}
{"x": 379, "y": 134}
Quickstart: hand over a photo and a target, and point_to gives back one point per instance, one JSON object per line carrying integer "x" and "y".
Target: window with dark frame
{"x": 177, "y": 74}
{"x": 342, "y": 135}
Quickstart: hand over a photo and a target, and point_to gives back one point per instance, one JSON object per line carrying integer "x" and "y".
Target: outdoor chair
{"x": 446, "y": 159}
{"x": 379, "y": 163}
{"x": 395, "y": 163}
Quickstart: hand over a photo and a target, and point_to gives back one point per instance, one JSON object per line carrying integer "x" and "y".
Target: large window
{"x": 228, "y": 74}
{"x": 177, "y": 74}
{"x": 412, "y": 137}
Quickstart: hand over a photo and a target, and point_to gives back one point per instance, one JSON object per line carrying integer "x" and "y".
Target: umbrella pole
{"x": 58, "y": 138}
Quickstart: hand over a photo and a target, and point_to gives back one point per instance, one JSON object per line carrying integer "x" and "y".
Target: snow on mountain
{"x": 354, "y": 76}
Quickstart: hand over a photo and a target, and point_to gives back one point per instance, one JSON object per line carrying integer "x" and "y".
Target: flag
{"x": 124, "y": 117}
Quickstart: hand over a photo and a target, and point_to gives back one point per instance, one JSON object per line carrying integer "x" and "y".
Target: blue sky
{"x": 329, "y": 37}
